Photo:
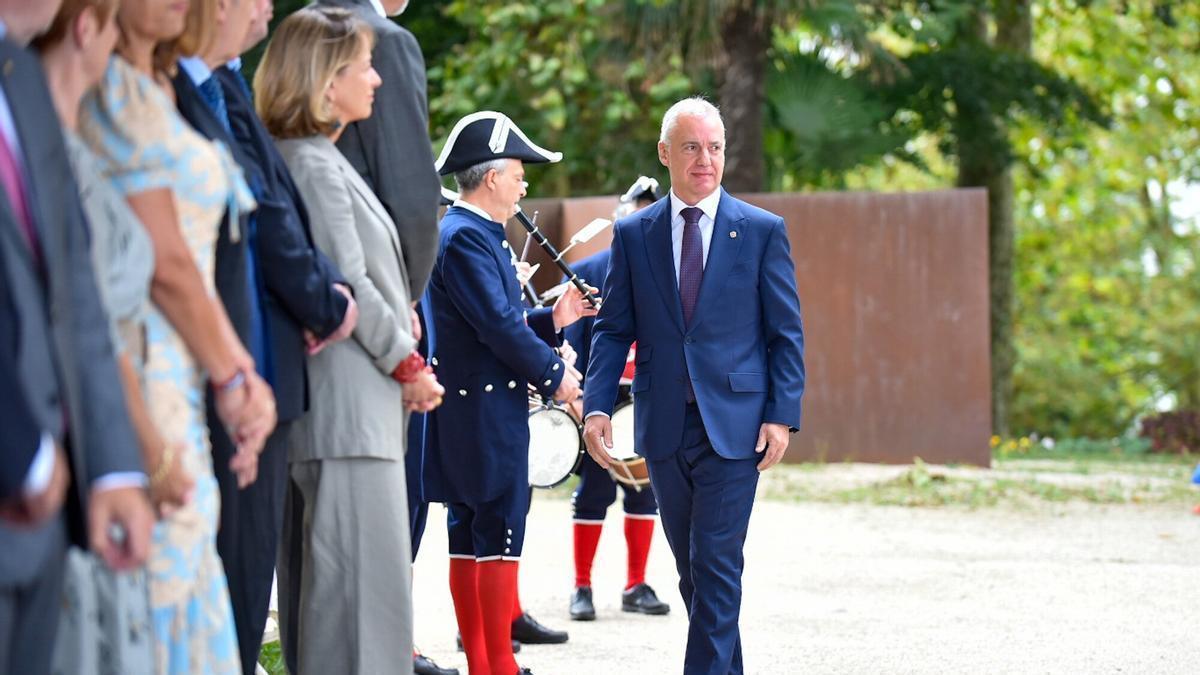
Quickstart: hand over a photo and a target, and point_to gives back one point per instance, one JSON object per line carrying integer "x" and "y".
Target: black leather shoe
{"x": 524, "y": 671}
{"x": 458, "y": 643}
{"x": 527, "y": 629}
{"x": 582, "y": 608}
{"x": 423, "y": 665}
{"x": 641, "y": 598}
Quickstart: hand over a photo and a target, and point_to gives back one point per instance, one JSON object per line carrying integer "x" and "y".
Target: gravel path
{"x": 1073, "y": 588}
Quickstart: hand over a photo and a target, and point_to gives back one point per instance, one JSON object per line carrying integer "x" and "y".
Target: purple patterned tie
{"x": 691, "y": 262}
{"x": 691, "y": 271}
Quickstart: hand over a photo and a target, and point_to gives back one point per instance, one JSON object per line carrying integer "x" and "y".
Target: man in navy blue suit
{"x": 705, "y": 284}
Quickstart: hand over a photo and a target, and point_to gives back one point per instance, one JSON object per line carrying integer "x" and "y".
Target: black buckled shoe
{"x": 458, "y": 643}
{"x": 423, "y": 665}
{"x": 641, "y": 598}
{"x": 582, "y": 608}
{"x": 526, "y": 629}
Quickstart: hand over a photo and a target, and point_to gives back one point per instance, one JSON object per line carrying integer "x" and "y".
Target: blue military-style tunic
{"x": 489, "y": 348}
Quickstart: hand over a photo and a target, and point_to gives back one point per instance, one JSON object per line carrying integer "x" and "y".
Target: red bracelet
{"x": 408, "y": 369}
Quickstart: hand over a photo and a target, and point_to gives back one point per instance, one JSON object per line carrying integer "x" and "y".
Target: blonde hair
{"x": 199, "y": 32}
{"x": 308, "y": 50}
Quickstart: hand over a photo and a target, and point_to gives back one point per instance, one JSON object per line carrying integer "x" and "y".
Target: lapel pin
{"x": 733, "y": 234}
{"x": 8, "y": 67}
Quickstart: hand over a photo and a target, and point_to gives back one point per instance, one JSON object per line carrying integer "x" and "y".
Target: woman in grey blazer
{"x": 347, "y": 455}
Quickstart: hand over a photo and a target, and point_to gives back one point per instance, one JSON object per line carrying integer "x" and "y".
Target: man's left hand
{"x": 773, "y": 440}
{"x": 126, "y": 513}
{"x": 571, "y": 307}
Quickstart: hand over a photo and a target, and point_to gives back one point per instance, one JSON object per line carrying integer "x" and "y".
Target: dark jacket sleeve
{"x": 392, "y": 151}
{"x": 19, "y": 434}
{"x": 299, "y": 276}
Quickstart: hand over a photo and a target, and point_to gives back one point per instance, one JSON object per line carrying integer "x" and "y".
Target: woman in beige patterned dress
{"x": 181, "y": 187}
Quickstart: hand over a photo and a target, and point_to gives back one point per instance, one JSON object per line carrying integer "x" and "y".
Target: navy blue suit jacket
{"x": 230, "y": 274}
{"x": 20, "y": 434}
{"x": 298, "y": 278}
{"x": 477, "y": 446}
{"x": 743, "y": 351}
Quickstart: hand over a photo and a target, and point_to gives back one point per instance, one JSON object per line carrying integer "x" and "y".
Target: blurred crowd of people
{"x": 183, "y": 260}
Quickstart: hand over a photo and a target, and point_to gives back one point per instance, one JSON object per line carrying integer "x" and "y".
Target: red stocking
{"x": 464, "y": 590}
{"x": 497, "y": 583}
{"x": 587, "y": 538}
{"x": 638, "y": 534}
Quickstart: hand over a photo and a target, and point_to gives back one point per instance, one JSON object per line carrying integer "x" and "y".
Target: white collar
{"x": 195, "y": 67}
{"x": 708, "y": 205}
{"x": 378, "y": 5}
{"x": 474, "y": 209}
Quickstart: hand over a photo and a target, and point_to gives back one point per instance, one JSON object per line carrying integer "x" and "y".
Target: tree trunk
{"x": 741, "y": 96}
{"x": 989, "y": 167}
{"x": 976, "y": 170}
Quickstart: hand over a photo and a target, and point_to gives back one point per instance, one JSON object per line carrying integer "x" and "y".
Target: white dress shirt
{"x": 195, "y": 67}
{"x": 379, "y": 8}
{"x": 708, "y": 206}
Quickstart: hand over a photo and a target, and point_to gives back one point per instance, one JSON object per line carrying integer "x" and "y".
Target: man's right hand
{"x": 33, "y": 510}
{"x": 568, "y": 388}
{"x": 597, "y": 436}
{"x": 256, "y": 420}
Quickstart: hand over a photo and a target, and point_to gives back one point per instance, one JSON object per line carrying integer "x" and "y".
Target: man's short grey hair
{"x": 695, "y": 106}
{"x": 471, "y": 177}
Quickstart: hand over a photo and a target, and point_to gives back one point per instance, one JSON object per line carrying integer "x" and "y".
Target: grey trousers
{"x": 353, "y": 609}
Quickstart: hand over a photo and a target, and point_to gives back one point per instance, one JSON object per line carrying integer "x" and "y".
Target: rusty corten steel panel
{"x": 894, "y": 294}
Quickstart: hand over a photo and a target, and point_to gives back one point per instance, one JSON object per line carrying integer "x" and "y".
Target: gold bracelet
{"x": 164, "y": 464}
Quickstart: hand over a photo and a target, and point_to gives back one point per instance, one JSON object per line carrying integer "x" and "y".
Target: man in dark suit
{"x": 297, "y": 290}
{"x": 705, "y": 284}
{"x": 71, "y": 419}
{"x": 489, "y": 349}
{"x": 391, "y": 148}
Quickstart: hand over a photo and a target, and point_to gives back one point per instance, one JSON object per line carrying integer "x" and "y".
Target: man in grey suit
{"x": 391, "y": 148}
{"x": 59, "y": 363}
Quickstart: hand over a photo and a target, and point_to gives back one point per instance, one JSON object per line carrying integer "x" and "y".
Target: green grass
{"x": 271, "y": 658}
{"x": 1028, "y": 481}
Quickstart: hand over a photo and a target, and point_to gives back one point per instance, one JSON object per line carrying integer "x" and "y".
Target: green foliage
{"x": 271, "y": 658}
{"x": 958, "y": 92}
{"x": 562, "y": 70}
{"x": 821, "y": 123}
{"x": 1108, "y": 301}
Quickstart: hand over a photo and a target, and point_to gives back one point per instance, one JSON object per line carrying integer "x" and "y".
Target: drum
{"x": 555, "y": 446}
{"x": 628, "y": 469}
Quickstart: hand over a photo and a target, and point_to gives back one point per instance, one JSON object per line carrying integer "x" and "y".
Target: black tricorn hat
{"x": 645, "y": 188}
{"x": 486, "y": 135}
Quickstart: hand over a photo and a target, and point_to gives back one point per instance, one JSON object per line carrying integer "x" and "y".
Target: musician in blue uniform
{"x": 597, "y": 489}
{"x": 490, "y": 350}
